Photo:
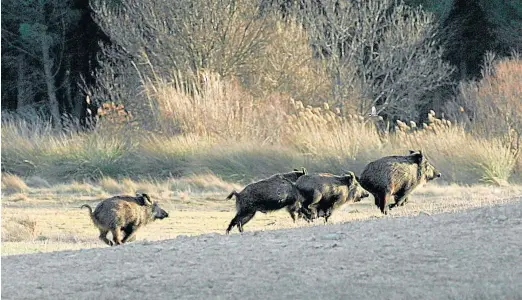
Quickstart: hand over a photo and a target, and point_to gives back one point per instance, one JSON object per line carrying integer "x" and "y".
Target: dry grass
{"x": 318, "y": 138}
{"x": 221, "y": 109}
{"x": 13, "y": 184}
{"x": 202, "y": 184}
{"x": 462, "y": 157}
{"x": 75, "y": 187}
{"x": 37, "y": 182}
{"x": 18, "y": 229}
{"x": 225, "y": 130}
{"x": 129, "y": 186}
{"x": 110, "y": 185}
{"x": 324, "y": 132}
{"x": 17, "y": 197}
{"x": 197, "y": 206}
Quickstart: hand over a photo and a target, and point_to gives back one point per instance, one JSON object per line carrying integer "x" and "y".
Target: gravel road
{"x": 475, "y": 254}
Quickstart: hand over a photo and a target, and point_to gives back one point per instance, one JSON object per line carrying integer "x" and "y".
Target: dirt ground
{"x": 47, "y": 220}
{"x": 471, "y": 254}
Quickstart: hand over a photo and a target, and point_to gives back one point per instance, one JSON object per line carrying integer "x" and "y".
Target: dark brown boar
{"x": 270, "y": 194}
{"x": 396, "y": 176}
{"x": 123, "y": 216}
{"x": 321, "y": 194}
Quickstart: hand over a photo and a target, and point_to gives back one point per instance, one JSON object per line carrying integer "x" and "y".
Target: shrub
{"x": 491, "y": 107}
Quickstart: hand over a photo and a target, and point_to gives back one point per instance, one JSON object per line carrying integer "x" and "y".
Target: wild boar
{"x": 270, "y": 194}
{"x": 123, "y": 216}
{"x": 321, "y": 194}
{"x": 396, "y": 176}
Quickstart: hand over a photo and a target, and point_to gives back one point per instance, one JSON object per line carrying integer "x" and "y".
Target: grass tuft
{"x": 110, "y": 185}
{"x": 37, "y": 182}
{"x": 13, "y": 184}
{"x": 19, "y": 229}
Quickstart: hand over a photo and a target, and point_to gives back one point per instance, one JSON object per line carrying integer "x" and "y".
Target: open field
{"x": 189, "y": 100}
{"x": 472, "y": 254}
{"x": 49, "y": 219}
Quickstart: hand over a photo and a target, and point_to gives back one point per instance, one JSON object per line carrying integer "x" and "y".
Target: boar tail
{"x": 90, "y": 212}
{"x": 234, "y": 193}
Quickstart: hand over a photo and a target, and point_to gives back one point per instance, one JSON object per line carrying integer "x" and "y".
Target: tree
{"x": 505, "y": 18}
{"x": 222, "y": 36}
{"x": 166, "y": 41}
{"x": 36, "y": 31}
{"x": 441, "y": 9}
{"x": 384, "y": 50}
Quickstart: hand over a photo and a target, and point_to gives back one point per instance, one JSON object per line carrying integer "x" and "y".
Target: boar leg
{"x": 384, "y": 203}
{"x": 327, "y": 215}
{"x": 315, "y": 210}
{"x": 117, "y": 236}
{"x": 401, "y": 197}
{"x": 311, "y": 198}
{"x": 291, "y": 212}
{"x": 381, "y": 200}
{"x": 312, "y": 207}
{"x": 402, "y": 200}
{"x": 233, "y": 223}
{"x": 377, "y": 199}
{"x": 244, "y": 219}
{"x": 130, "y": 234}
{"x": 306, "y": 214}
{"x": 292, "y": 209}
{"x": 103, "y": 237}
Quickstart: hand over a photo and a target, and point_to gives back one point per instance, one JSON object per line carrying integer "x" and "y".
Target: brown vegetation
{"x": 256, "y": 95}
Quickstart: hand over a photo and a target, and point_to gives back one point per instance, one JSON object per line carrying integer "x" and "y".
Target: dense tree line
{"x": 51, "y": 49}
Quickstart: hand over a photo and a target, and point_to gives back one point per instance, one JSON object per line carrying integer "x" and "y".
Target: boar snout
{"x": 162, "y": 215}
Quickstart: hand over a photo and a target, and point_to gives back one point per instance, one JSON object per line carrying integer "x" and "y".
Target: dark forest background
{"x": 51, "y": 49}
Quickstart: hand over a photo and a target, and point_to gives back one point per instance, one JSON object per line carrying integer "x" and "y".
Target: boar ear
{"x": 303, "y": 170}
{"x": 351, "y": 179}
{"x": 411, "y": 151}
{"x": 349, "y": 175}
{"x": 418, "y": 157}
{"x": 146, "y": 199}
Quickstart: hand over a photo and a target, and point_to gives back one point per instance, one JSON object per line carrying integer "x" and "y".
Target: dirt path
{"x": 476, "y": 254}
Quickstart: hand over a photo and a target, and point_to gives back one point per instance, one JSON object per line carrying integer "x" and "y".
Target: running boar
{"x": 270, "y": 194}
{"x": 396, "y": 176}
{"x": 123, "y": 216}
{"x": 320, "y": 194}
